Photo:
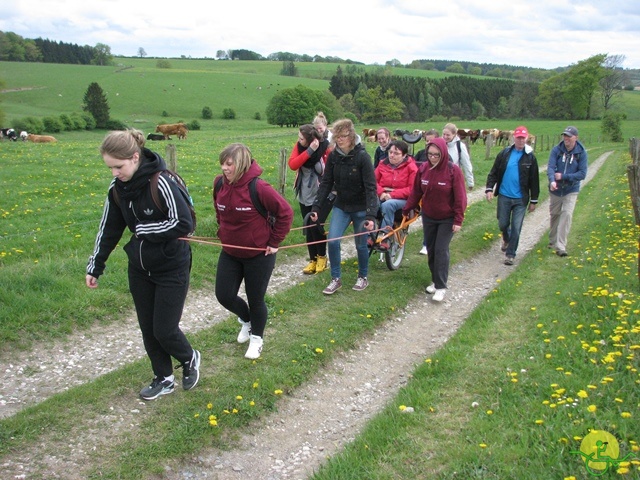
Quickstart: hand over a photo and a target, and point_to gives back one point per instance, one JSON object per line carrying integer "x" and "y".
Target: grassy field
{"x": 580, "y": 324}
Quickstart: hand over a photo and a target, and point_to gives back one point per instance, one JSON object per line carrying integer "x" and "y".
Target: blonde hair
{"x": 241, "y": 157}
{"x": 123, "y": 144}
{"x": 451, "y": 127}
{"x": 344, "y": 127}
{"x": 320, "y": 119}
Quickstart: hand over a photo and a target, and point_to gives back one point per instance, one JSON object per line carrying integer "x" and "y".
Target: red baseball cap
{"x": 521, "y": 132}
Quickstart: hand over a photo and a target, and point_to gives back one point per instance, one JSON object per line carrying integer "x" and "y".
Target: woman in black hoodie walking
{"x": 159, "y": 261}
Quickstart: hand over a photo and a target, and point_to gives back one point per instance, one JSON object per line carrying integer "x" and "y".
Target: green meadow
{"x": 549, "y": 355}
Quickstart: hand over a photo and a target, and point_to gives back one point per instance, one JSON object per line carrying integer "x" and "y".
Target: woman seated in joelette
{"x": 395, "y": 177}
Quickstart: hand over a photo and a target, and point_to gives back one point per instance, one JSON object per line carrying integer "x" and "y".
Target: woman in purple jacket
{"x": 250, "y": 242}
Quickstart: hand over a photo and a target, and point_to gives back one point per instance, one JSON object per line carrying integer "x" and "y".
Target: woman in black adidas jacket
{"x": 159, "y": 261}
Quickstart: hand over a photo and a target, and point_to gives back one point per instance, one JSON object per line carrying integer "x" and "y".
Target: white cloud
{"x": 544, "y": 34}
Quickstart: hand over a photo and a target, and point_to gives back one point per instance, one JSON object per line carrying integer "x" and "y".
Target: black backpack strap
{"x": 253, "y": 191}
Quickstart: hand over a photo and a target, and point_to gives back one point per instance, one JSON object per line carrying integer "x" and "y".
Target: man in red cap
{"x": 514, "y": 178}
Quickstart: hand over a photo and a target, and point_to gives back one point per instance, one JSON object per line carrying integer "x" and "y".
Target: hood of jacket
{"x": 150, "y": 163}
{"x": 441, "y": 145}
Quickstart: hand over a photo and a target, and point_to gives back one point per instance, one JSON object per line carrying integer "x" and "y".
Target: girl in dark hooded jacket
{"x": 159, "y": 261}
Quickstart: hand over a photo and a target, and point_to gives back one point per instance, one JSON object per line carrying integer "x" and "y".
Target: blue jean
{"x": 388, "y": 208}
{"x": 340, "y": 220}
{"x": 510, "y": 217}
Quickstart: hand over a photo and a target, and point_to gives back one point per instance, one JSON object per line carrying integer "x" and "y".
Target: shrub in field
{"x": 257, "y": 116}
{"x": 115, "y": 125}
{"x": 78, "y": 121}
{"x": 163, "y": 64}
{"x": 193, "y": 125}
{"x": 52, "y": 124}
{"x": 67, "y": 123}
{"x": 89, "y": 121}
{"x": 611, "y": 126}
{"x": 29, "y": 124}
{"x": 351, "y": 116}
{"x": 228, "y": 114}
{"x": 207, "y": 113}
{"x": 165, "y": 113}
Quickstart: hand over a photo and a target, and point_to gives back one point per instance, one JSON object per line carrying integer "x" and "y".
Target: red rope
{"x": 207, "y": 241}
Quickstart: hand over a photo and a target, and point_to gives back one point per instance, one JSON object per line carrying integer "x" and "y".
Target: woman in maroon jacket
{"x": 250, "y": 242}
{"x": 440, "y": 185}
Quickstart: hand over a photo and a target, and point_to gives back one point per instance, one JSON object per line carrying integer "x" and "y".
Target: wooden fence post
{"x": 633, "y": 175}
{"x": 170, "y": 157}
{"x": 282, "y": 170}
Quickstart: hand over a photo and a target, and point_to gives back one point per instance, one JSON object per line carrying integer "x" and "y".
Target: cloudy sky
{"x": 543, "y": 33}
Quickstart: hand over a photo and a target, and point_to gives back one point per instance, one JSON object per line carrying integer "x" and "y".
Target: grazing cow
{"x": 167, "y": 129}
{"x": 23, "y": 136}
{"x": 40, "y": 138}
{"x": 9, "y": 133}
{"x": 504, "y": 137}
{"x": 399, "y": 133}
{"x": 531, "y": 140}
{"x": 156, "y": 136}
{"x": 369, "y": 132}
{"x": 474, "y": 136}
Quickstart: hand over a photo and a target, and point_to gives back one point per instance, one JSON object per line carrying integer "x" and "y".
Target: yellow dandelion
{"x": 213, "y": 423}
{"x": 489, "y": 412}
{"x": 428, "y": 360}
{"x": 256, "y": 384}
{"x": 570, "y": 477}
{"x": 252, "y": 403}
{"x": 539, "y": 422}
{"x": 209, "y": 406}
{"x": 402, "y": 408}
{"x": 278, "y": 392}
{"x": 238, "y": 397}
{"x": 533, "y": 309}
{"x": 319, "y": 350}
{"x": 583, "y": 394}
{"x": 619, "y": 400}
{"x": 592, "y": 408}
{"x": 235, "y": 410}
{"x": 622, "y": 471}
{"x": 482, "y": 445}
{"x": 197, "y": 415}
{"x": 212, "y": 417}
{"x": 625, "y": 415}
{"x": 548, "y": 355}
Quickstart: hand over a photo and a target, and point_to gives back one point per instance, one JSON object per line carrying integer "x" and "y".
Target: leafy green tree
{"x": 289, "y": 69}
{"x": 95, "y": 102}
{"x": 455, "y": 68}
{"x": 228, "y": 113}
{"x": 102, "y": 55}
{"x": 142, "y": 52}
{"x": 292, "y": 107}
{"x": 381, "y": 107}
{"x": 207, "y": 113}
{"x": 583, "y": 81}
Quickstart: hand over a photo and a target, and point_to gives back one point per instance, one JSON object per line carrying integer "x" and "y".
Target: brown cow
{"x": 40, "y": 138}
{"x": 172, "y": 129}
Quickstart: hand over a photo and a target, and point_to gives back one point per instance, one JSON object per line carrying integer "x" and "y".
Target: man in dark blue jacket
{"x": 567, "y": 167}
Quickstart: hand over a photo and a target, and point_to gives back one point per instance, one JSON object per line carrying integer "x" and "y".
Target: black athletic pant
{"x": 256, "y": 272}
{"x": 159, "y": 300}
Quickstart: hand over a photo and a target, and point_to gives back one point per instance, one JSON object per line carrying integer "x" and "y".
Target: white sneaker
{"x": 439, "y": 295}
{"x": 431, "y": 289}
{"x": 424, "y": 251}
{"x": 245, "y": 331}
{"x": 255, "y": 347}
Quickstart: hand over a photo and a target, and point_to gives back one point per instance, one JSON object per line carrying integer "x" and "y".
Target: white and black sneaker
{"x": 191, "y": 371}
{"x": 158, "y": 387}
{"x": 255, "y": 347}
{"x": 245, "y": 331}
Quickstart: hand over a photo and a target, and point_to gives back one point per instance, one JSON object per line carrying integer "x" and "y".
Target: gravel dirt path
{"x": 307, "y": 429}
